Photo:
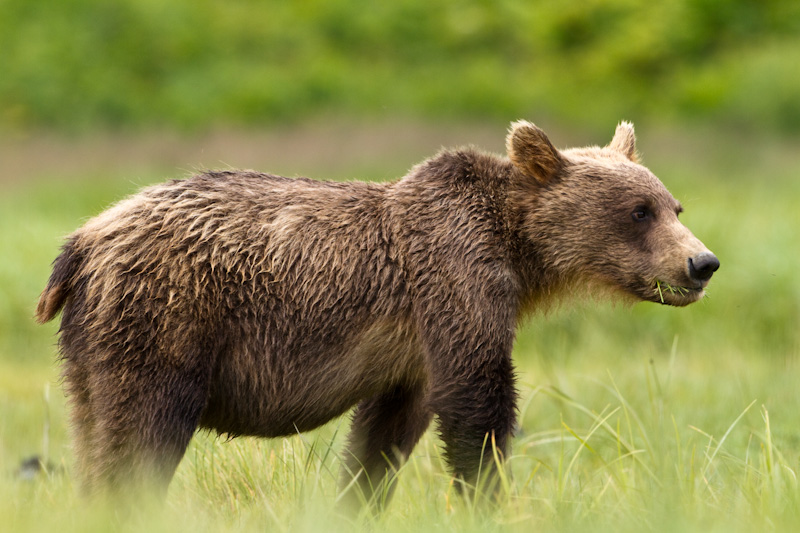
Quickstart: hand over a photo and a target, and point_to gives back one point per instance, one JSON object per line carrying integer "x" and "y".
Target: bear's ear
{"x": 532, "y": 152}
{"x": 624, "y": 141}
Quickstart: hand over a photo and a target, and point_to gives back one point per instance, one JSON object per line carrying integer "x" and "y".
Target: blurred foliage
{"x": 75, "y": 65}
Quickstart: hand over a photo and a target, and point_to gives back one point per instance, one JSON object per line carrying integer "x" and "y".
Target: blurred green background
{"x": 78, "y": 65}
{"x": 98, "y": 98}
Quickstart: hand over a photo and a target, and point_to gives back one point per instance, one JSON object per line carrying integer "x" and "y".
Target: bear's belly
{"x": 271, "y": 416}
{"x": 272, "y": 395}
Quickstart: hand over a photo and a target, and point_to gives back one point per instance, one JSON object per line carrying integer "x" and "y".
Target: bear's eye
{"x": 641, "y": 213}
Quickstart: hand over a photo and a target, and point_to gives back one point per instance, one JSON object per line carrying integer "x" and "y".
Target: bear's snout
{"x": 702, "y": 266}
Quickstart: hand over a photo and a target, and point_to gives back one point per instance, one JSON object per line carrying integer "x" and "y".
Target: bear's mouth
{"x": 668, "y": 293}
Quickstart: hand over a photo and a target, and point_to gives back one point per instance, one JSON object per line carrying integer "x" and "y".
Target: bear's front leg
{"x": 476, "y": 418}
{"x": 472, "y": 389}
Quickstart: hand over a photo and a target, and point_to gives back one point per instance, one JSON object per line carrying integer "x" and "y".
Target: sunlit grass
{"x": 609, "y": 464}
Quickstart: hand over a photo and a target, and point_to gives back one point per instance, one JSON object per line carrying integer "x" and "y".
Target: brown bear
{"x": 253, "y": 304}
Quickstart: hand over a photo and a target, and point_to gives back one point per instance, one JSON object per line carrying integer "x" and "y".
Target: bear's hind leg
{"x": 145, "y": 417}
{"x": 385, "y": 430}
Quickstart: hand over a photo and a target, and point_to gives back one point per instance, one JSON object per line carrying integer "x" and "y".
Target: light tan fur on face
{"x": 594, "y": 194}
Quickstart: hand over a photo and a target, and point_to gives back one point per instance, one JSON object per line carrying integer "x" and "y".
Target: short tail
{"x": 60, "y": 284}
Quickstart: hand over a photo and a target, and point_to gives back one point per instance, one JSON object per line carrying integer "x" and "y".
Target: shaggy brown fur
{"x": 253, "y": 304}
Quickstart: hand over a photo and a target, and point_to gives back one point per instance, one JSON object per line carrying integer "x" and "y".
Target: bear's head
{"x": 597, "y": 217}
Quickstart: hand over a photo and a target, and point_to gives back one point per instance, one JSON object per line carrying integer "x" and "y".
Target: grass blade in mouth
{"x": 682, "y": 291}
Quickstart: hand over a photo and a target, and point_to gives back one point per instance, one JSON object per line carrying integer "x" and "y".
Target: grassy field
{"x": 632, "y": 418}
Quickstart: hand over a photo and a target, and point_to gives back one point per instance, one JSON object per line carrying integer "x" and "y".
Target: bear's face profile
{"x": 602, "y": 220}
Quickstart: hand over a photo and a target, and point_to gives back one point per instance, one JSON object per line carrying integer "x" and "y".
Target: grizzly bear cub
{"x": 254, "y": 304}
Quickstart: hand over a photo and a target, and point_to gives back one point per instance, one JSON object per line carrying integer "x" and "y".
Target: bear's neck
{"x": 511, "y": 194}
{"x": 543, "y": 284}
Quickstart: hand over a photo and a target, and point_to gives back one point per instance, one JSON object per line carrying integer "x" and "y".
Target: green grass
{"x": 631, "y": 418}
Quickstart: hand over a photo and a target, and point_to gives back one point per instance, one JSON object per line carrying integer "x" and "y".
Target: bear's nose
{"x": 702, "y": 266}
